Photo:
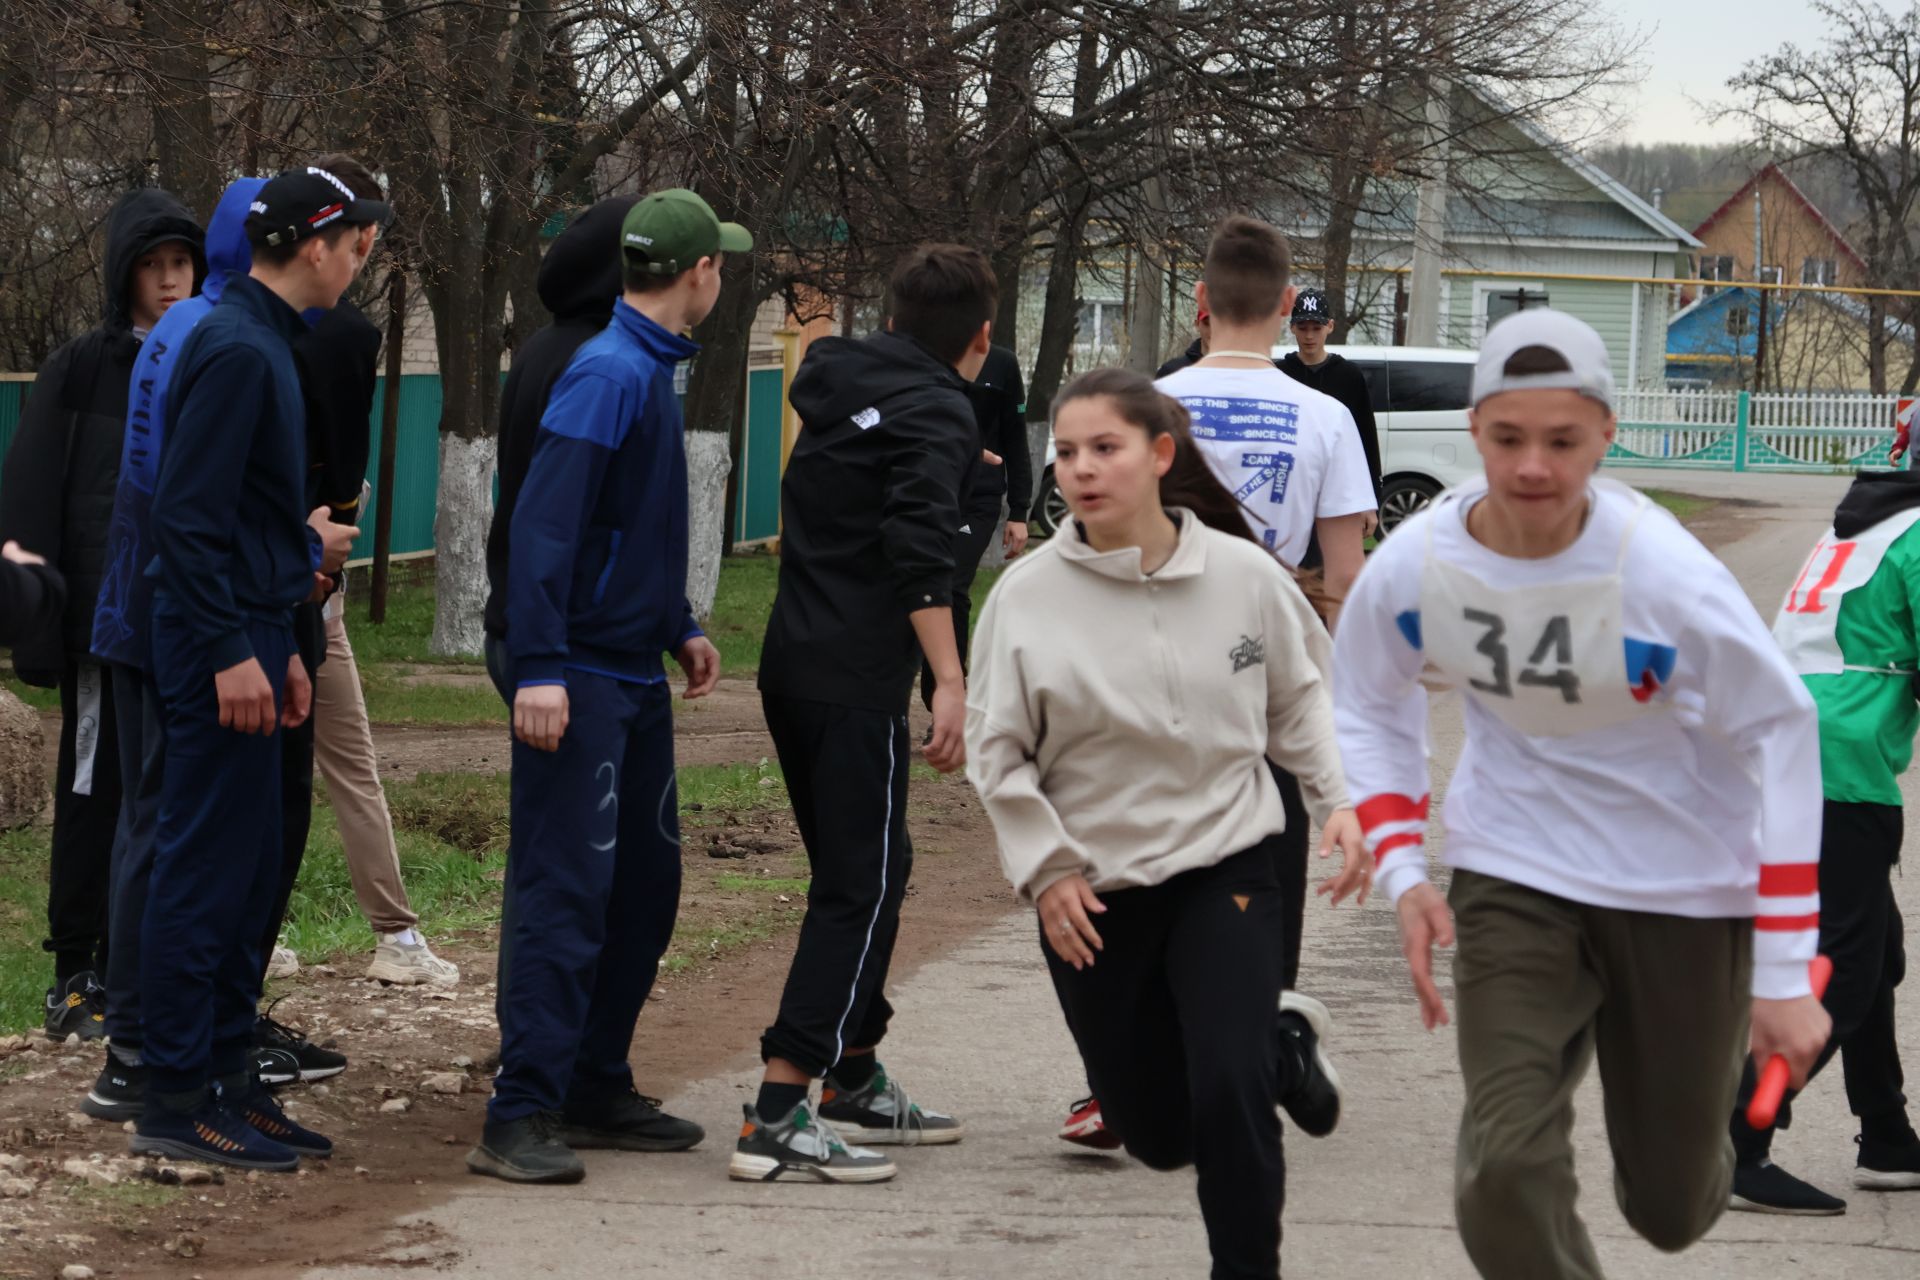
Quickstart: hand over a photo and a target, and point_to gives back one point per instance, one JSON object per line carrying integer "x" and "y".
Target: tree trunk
{"x": 715, "y": 408}
{"x": 176, "y": 58}
{"x": 1877, "y": 344}
{"x": 1062, "y": 315}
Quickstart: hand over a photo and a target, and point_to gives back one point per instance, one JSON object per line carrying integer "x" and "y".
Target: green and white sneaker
{"x": 801, "y": 1145}
{"x": 881, "y": 1113}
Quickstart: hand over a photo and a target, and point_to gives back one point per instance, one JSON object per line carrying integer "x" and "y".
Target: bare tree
{"x": 1855, "y": 97}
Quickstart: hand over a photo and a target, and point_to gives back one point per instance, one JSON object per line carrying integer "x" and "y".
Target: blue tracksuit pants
{"x": 216, "y": 865}
{"x": 593, "y": 886}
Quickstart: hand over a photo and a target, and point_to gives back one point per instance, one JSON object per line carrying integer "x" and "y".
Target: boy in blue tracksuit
{"x": 233, "y": 556}
{"x": 120, "y": 627}
{"x": 596, "y": 594}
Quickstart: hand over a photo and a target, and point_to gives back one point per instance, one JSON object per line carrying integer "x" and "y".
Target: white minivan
{"x": 1420, "y": 397}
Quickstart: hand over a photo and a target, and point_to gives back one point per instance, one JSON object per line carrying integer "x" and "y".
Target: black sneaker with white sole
{"x": 309, "y": 1061}
{"x": 1888, "y": 1166}
{"x": 880, "y": 1112}
{"x": 528, "y": 1149}
{"x": 1761, "y": 1186}
{"x": 801, "y": 1145}
{"x": 119, "y": 1093}
{"x": 626, "y": 1122}
{"x": 1309, "y": 1086}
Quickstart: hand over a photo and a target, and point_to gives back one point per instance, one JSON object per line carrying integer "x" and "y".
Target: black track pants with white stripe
{"x": 846, "y": 772}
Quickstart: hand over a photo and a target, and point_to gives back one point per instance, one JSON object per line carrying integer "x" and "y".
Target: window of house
{"x": 1504, "y": 303}
{"x": 1818, "y": 271}
{"x": 1716, "y": 266}
{"x": 1773, "y": 275}
{"x": 1103, "y": 324}
{"x": 1739, "y": 319}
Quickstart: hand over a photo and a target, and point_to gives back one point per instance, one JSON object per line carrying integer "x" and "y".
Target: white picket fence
{"x": 1739, "y": 430}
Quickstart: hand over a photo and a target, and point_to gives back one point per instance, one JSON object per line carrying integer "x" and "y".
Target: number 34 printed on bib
{"x": 1549, "y": 663}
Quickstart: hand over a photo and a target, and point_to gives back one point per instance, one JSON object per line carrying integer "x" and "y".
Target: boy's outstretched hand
{"x": 1425, "y": 922}
{"x": 701, "y": 661}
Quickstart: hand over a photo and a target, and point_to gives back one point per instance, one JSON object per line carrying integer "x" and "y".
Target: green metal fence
{"x": 416, "y": 470}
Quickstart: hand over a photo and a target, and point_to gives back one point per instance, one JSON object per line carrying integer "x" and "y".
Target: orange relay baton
{"x": 1773, "y": 1077}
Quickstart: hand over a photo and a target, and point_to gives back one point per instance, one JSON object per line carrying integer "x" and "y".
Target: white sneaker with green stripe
{"x": 801, "y": 1145}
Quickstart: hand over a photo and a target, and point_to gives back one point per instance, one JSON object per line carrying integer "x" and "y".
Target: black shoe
{"x": 77, "y": 1007}
{"x": 1309, "y": 1086}
{"x": 258, "y": 1108}
{"x": 309, "y": 1060}
{"x": 526, "y": 1150}
{"x": 629, "y": 1122}
{"x": 1761, "y": 1186}
{"x": 119, "y": 1094}
{"x": 1888, "y": 1166}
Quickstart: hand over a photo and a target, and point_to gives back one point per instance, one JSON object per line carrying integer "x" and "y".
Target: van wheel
{"x": 1401, "y": 497}
{"x": 1049, "y": 507}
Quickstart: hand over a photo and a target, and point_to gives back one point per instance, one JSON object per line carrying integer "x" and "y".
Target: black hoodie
{"x": 56, "y": 492}
{"x": 1875, "y": 496}
{"x": 579, "y": 282}
{"x": 1340, "y": 378}
{"x": 868, "y": 508}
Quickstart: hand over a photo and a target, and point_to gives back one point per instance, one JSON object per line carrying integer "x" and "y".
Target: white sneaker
{"x": 411, "y": 965}
{"x": 284, "y": 963}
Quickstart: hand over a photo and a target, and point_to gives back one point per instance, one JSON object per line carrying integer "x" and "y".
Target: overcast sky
{"x": 1691, "y": 50}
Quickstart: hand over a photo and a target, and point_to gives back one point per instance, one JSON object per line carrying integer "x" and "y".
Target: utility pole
{"x": 1430, "y": 226}
{"x": 1760, "y": 296}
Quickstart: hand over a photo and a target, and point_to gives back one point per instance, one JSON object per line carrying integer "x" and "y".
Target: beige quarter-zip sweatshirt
{"x": 1118, "y": 723}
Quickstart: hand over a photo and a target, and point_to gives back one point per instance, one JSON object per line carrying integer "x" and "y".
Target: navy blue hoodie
{"x": 597, "y": 576}
{"x": 229, "y": 523}
{"x": 125, "y": 601}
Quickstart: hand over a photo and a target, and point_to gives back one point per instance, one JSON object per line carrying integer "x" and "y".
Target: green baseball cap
{"x": 669, "y": 231}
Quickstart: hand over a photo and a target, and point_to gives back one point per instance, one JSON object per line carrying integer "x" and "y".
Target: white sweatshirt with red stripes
{"x": 1711, "y": 809}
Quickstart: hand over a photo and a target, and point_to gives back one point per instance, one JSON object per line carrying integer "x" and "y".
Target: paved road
{"x": 979, "y": 1034}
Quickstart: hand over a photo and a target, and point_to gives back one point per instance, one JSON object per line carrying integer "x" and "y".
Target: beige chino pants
{"x": 343, "y": 752}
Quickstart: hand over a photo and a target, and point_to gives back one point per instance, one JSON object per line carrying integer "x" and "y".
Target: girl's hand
{"x": 1356, "y": 871}
{"x": 1064, "y": 909}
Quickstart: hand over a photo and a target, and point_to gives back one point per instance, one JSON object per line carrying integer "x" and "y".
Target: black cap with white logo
{"x": 301, "y": 203}
{"x": 1310, "y": 307}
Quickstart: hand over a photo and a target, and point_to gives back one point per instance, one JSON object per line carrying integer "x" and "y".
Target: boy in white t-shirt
{"x": 1634, "y": 822}
{"x": 1289, "y": 453}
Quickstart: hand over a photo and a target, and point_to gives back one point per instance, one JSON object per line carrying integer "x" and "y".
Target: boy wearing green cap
{"x": 596, "y": 597}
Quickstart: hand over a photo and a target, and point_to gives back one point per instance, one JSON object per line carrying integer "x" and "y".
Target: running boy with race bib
{"x": 1633, "y": 823}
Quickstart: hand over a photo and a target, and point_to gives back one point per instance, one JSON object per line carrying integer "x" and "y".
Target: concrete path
{"x": 979, "y": 1034}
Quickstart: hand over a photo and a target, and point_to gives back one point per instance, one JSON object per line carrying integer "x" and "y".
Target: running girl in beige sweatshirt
{"x": 1130, "y": 682}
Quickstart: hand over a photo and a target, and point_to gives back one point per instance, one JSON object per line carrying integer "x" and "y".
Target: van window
{"x": 1417, "y": 386}
{"x": 1375, "y": 372}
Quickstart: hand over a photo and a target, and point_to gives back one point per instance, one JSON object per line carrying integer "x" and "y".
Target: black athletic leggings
{"x": 1176, "y": 1026}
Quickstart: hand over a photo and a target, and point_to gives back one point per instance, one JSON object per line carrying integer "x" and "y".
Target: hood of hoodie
{"x": 843, "y": 376}
{"x": 139, "y": 221}
{"x": 1875, "y": 496}
{"x": 580, "y": 276}
{"x": 228, "y": 251}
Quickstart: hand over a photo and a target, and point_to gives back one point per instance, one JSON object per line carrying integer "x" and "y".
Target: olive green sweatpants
{"x": 1543, "y": 986}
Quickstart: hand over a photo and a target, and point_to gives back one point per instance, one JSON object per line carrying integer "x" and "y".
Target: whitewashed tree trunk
{"x": 460, "y": 544}
{"x": 708, "y": 461}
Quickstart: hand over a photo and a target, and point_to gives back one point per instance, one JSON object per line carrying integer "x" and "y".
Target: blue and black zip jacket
{"x": 125, "y": 601}
{"x": 229, "y": 521}
{"x": 597, "y": 578}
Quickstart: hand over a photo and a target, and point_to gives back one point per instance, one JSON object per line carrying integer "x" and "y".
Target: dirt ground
{"x": 394, "y": 1157}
